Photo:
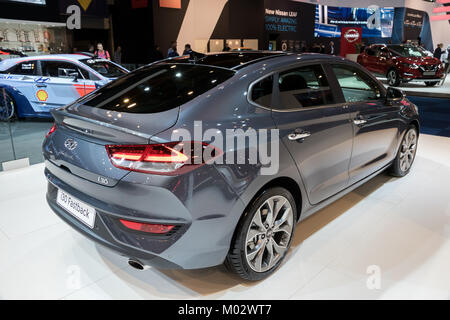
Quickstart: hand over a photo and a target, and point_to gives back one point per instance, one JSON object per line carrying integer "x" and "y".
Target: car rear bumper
{"x": 102, "y": 236}
{"x": 197, "y": 241}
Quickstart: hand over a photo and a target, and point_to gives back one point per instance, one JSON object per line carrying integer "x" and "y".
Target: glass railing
{"x": 20, "y": 138}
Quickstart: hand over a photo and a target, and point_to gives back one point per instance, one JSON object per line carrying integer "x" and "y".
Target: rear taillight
{"x": 147, "y": 227}
{"x": 52, "y": 129}
{"x": 167, "y": 158}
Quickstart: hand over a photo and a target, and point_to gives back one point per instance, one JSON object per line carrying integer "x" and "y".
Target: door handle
{"x": 359, "y": 122}
{"x": 299, "y": 135}
{"x": 41, "y": 85}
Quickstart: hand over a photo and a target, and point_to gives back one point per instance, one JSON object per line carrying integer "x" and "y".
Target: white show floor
{"x": 420, "y": 87}
{"x": 401, "y": 226}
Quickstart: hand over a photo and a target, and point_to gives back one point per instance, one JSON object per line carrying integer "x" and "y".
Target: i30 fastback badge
{"x": 70, "y": 144}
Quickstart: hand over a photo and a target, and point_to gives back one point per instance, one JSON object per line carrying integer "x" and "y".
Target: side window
{"x": 370, "y": 52}
{"x": 304, "y": 87}
{"x": 377, "y": 51}
{"x": 88, "y": 75}
{"x": 27, "y": 68}
{"x": 262, "y": 92}
{"x": 356, "y": 85}
{"x": 59, "y": 69}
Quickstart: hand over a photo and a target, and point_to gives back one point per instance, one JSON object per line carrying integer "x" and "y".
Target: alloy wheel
{"x": 6, "y": 106}
{"x": 269, "y": 234}
{"x": 408, "y": 150}
{"x": 392, "y": 77}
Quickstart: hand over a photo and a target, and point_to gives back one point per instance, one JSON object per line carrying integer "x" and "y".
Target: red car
{"x": 402, "y": 63}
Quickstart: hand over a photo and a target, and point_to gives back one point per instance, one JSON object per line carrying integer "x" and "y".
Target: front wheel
{"x": 264, "y": 235}
{"x": 406, "y": 153}
{"x": 393, "y": 78}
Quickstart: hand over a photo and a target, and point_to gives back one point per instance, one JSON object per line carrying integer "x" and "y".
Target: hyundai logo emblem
{"x": 70, "y": 144}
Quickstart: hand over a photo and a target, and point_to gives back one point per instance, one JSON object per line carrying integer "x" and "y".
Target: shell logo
{"x": 42, "y": 95}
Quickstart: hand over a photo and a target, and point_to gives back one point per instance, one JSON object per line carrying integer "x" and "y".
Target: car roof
{"x": 8, "y": 63}
{"x": 243, "y": 59}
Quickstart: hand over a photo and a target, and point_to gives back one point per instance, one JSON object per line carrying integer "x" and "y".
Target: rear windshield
{"x": 157, "y": 88}
{"x": 105, "y": 68}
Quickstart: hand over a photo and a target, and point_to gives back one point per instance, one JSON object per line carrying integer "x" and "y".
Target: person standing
{"x": 156, "y": 54}
{"x": 102, "y": 53}
{"x": 331, "y": 49}
{"x": 172, "y": 52}
{"x": 303, "y": 47}
{"x": 226, "y": 47}
{"x": 118, "y": 55}
{"x": 445, "y": 58}
{"x": 438, "y": 52}
{"x": 322, "y": 49}
{"x": 187, "y": 50}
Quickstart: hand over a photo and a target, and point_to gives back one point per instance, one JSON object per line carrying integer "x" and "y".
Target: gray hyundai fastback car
{"x": 119, "y": 173}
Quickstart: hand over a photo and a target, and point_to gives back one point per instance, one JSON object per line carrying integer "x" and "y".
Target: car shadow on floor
{"x": 209, "y": 281}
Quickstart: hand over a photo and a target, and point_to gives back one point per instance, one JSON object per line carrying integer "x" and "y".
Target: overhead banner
{"x": 350, "y": 36}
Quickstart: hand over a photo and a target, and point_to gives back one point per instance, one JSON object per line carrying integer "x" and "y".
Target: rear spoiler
{"x": 98, "y": 129}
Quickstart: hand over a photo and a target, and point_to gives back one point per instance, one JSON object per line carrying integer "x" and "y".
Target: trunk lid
{"x": 78, "y": 143}
{"x": 115, "y": 127}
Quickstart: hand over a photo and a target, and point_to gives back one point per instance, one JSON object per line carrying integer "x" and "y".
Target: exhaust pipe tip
{"x": 137, "y": 264}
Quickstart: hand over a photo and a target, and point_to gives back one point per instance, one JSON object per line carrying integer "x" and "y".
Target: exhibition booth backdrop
{"x": 209, "y": 25}
{"x": 286, "y": 24}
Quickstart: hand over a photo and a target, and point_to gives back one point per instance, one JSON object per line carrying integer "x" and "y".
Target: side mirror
{"x": 394, "y": 95}
{"x": 74, "y": 75}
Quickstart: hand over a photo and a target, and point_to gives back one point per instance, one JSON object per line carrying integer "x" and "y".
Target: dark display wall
{"x": 413, "y": 23}
{"x": 288, "y": 23}
{"x": 241, "y": 19}
{"x": 133, "y": 31}
{"x": 167, "y": 24}
{"x": 284, "y": 21}
{"x": 409, "y": 24}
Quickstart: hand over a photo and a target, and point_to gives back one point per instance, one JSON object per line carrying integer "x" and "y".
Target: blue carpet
{"x": 434, "y": 115}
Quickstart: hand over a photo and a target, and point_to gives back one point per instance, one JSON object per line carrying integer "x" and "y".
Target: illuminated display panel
{"x": 174, "y": 4}
{"x": 374, "y": 23}
{"x": 30, "y": 1}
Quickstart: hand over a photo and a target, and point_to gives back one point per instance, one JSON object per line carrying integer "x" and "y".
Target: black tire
{"x": 393, "y": 78}
{"x": 7, "y": 106}
{"x": 397, "y": 169}
{"x": 236, "y": 260}
{"x": 430, "y": 83}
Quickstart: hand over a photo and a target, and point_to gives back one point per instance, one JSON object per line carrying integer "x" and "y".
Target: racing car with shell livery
{"x": 32, "y": 86}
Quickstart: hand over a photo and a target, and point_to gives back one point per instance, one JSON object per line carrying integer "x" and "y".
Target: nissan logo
{"x": 351, "y": 35}
{"x": 70, "y": 144}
